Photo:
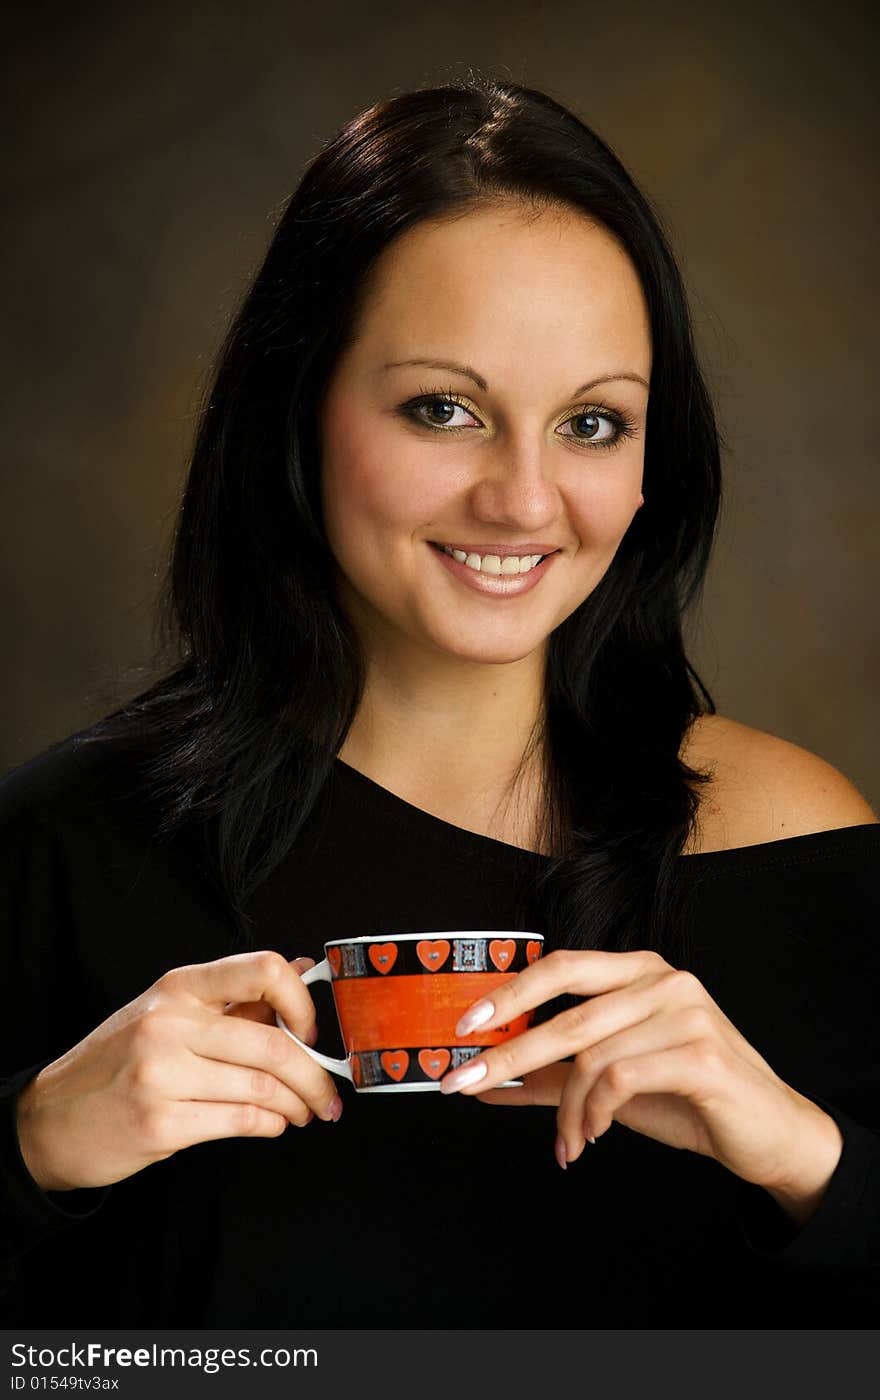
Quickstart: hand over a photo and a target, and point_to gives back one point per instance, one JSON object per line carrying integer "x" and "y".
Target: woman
{"x": 455, "y": 485}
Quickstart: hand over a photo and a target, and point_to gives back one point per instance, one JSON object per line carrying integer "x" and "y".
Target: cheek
{"x": 374, "y": 487}
{"x": 603, "y": 508}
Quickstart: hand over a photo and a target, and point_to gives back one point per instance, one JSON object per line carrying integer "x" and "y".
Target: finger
{"x": 553, "y": 1040}
{"x": 584, "y": 1025}
{"x": 258, "y": 976}
{"x": 579, "y": 972}
{"x": 261, "y": 1010}
{"x": 242, "y": 1042}
{"x": 653, "y": 1034}
{"x": 541, "y": 1087}
{"x": 685, "y": 1070}
{"x": 190, "y": 1121}
{"x": 200, "y": 1079}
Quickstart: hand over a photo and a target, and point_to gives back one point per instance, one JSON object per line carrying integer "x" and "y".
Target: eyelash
{"x": 625, "y": 425}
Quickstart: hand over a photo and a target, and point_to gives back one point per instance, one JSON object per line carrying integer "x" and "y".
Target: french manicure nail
{"x": 460, "y": 1078}
{"x": 477, "y": 1016}
{"x": 559, "y": 1149}
{"x": 334, "y": 1109}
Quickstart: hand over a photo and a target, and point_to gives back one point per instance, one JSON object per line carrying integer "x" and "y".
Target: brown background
{"x": 152, "y": 148}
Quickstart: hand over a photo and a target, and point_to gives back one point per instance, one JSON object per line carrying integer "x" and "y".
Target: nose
{"x": 514, "y": 489}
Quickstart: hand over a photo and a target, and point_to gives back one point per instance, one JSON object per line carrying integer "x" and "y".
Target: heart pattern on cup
{"x": 501, "y": 951}
{"x": 434, "y": 1062}
{"x": 383, "y": 956}
{"x": 533, "y": 951}
{"x": 334, "y": 958}
{"x": 395, "y": 1063}
{"x": 433, "y": 953}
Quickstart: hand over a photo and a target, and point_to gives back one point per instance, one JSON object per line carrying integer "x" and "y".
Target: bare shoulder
{"x": 764, "y": 788}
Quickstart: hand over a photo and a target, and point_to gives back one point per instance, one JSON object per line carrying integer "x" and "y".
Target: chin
{"x": 491, "y": 653}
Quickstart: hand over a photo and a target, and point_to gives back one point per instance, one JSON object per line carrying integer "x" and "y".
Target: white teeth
{"x": 493, "y": 563}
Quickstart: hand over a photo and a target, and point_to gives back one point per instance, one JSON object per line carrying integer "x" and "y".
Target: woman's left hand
{"x": 653, "y": 1051}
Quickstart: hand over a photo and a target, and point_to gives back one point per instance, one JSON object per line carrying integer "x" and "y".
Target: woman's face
{"x": 523, "y": 311}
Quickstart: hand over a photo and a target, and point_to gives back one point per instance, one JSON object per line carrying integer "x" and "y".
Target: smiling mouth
{"x": 508, "y": 565}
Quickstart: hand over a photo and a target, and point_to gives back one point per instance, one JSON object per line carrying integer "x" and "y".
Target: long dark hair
{"x": 264, "y": 672}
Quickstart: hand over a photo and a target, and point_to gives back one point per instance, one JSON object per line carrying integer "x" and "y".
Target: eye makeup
{"x": 624, "y": 426}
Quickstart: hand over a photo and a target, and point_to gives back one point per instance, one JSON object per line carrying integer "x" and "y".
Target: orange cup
{"x": 398, "y": 998}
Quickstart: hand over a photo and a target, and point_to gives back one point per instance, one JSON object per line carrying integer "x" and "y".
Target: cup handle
{"x": 319, "y": 973}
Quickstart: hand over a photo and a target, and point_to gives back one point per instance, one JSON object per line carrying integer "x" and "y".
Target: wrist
{"x": 819, "y": 1144}
{"x": 31, "y": 1144}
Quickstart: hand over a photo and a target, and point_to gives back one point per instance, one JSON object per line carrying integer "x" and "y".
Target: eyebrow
{"x": 482, "y": 384}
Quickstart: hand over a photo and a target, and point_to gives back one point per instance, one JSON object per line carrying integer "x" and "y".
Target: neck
{"x": 452, "y": 731}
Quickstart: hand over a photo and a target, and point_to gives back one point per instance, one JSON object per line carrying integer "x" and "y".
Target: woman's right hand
{"x": 197, "y": 1056}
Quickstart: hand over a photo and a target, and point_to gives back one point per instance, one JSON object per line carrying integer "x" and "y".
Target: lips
{"x": 494, "y": 585}
{"x": 502, "y": 552}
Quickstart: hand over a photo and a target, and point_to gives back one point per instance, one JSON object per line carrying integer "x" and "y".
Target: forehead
{"x": 499, "y": 283}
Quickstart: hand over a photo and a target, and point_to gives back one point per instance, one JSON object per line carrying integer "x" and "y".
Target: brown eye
{"x": 589, "y": 427}
{"x": 590, "y": 432}
{"x": 437, "y": 407}
{"x": 440, "y": 407}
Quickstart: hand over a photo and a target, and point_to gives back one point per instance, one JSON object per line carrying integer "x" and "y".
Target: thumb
{"x": 302, "y": 964}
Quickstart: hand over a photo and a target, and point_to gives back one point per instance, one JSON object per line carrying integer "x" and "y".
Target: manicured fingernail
{"x": 460, "y": 1078}
{"x": 334, "y": 1109}
{"x": 560, "y": 1152}
{"x": 312, "y": 1037}
{"x": 477, "y": 1016}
